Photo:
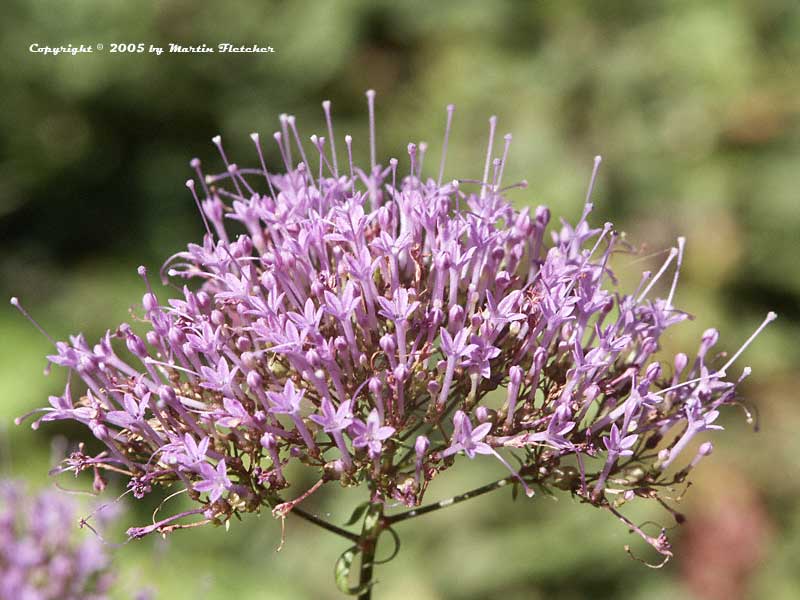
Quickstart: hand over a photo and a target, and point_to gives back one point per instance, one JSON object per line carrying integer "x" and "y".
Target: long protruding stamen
{"x": 236, "y": 173}
{"x": 528, "y": 491}
{"x": 348, "y": 141}
{"x": 597, "y": 160}
{"x": 489, "y": 148}
{"x": 190, "y": 185}
{"x": 16, "y": 304}
{"x": 495, "y": 173}
{"x": 412, "y": 154}
{"x": 257, "y": 141}
{"x": 371, "y": 107}
{"x": 672, "y": 253}
{"x": 520, "y": 184}
{"x": 681, "y": 244}
{"x": 587, "y": 207}
{"x": 606, "y": 229}
{"x": 423, "y": 148}
{"x": 319, "y": 144}
{"x": 217, "y": 139}
{"x": 450, "y": 110}
{"x": 507, "y": 139}
{"x": 278, "y": 136}
{"x": 196, "y": 165}
{"x": 283, "y": 118}
{"x": 142, "y": 271}
{"x": 393, "y": 166}
{"x": 291, "y": 120}
{"x": 326, "y": 108}
{"x": 771, "y": 316}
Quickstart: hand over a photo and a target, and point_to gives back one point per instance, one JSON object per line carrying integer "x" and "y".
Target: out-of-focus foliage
{"x": 695, "y": 107}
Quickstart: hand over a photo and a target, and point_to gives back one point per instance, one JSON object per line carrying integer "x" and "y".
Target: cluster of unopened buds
{"x": 374, "y": 326}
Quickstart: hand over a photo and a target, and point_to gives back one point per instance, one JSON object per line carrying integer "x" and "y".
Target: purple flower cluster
{"x": 373, "y": 325}
{"x": 41, "y": 557}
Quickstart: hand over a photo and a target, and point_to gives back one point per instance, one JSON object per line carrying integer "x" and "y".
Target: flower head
{"x": 316, "y": 281}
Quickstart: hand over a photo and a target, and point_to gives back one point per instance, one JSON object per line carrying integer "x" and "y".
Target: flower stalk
{"x": 368, "y": 544}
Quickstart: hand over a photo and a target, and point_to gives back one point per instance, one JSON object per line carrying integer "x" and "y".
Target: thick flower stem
{"x": 417, "y": 512}
{"x": 311, "y": 518}
{"x": 368, "y": 543}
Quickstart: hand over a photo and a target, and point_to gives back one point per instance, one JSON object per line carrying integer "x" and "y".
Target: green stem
{"x": 276, "y": 501}
{"x": 311, "y": 518}
{"x": 368, "y": 543}
{"x": 416, "y": 512}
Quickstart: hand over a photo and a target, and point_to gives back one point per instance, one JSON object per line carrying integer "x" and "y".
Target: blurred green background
{"x": 695, "y": 107}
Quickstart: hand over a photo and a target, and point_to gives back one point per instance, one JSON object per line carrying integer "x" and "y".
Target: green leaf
{"x": 358, "y": 512}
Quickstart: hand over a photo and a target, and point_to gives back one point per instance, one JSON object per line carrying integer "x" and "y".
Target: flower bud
{"x": 249, "y": 361}
{"x": 502, "y": 280}
{"x": 710, "y": 337}
{"x": 455, "y": 317}
{"x": 384, "y": 217}
{"x": 135, "y": 345}
{"x": 443, "y": 261}
{"x": 591, "y": 392}
{"x": 523, "y": 223}
{"x": 653, "y": 371}
{"x": 649, "y": 346}
{"x": 313, "y": 358}
{"x": 340, "y": 344}
{"x": 421, "y": 446}
{"x": 149, "y": 302}
{"x": 515, "y": 375}
{"x": 388, "y": 344}
{"x": 542, "y": 215}
{"x": 681, "y": 360}
{"x": 375, "y": 386}
{"x": 436, "y": 317}
{"x": 400, "y": 373}
{"x": 268, "y": 441}
{"x": 176, "y": 337}
{"x": 243, "y": 343}
{"x": 203, "y": 301}
{"x": 254, "y": 380}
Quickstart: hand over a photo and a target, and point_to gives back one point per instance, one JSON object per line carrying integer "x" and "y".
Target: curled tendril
{"x": 644, "y": 562}
{"x": 395, "y": 551}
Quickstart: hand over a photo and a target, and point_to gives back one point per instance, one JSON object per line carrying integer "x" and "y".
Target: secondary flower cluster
{"x": 41, "y": 558}
{"x": 372, "y": 325}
